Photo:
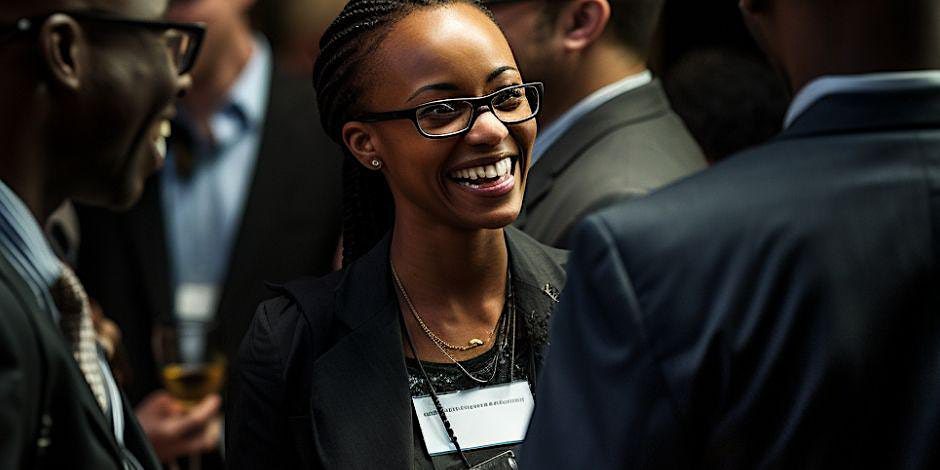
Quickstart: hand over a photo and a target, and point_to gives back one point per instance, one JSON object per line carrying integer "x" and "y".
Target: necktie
{"x": 75, "y": 322}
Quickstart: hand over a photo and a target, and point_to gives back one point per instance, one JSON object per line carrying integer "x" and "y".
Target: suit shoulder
{"x": 307, "y": 299}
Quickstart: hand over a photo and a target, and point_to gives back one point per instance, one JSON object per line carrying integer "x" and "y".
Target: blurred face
{"x": 440, "y": 53}
{"x": 223, "y": 18}
{"x": 526, "y": 27}
{"x": 116, "y": 122}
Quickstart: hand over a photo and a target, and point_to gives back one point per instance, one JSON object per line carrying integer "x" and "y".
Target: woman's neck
{"x": 452, "y": 276}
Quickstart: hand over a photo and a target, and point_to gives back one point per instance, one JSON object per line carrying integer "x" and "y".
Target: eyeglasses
{"x": 182, "y": 39}
{"x": 451, "y": 117}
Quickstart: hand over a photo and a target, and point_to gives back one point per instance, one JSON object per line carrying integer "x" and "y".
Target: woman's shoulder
{"x": 543, "y": 258}
{"x": 300, "y": 315}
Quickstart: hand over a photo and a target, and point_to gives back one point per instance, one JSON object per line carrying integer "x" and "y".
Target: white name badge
{"x": 481, "y": 417}
{"x": 196, "y": 302}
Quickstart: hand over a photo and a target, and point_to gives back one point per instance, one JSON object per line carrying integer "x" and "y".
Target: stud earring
{"x": 376, "y": 163}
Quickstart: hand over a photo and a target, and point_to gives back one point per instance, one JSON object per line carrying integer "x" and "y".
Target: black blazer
{"x": 49, "y": 418}
{"x": 778, "y": 311}
{"x": 290, "y": 228}
{"x": 323, "y": 376}
{"x": 625, "y": 148}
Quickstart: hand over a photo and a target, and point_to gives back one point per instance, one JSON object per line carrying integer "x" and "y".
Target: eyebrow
{"x": 451, "y": 87}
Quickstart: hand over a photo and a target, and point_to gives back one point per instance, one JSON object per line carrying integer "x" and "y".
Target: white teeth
{"x": 498, "y": 169}
{"x": 161, "y": 147}
{"x": 166, "y": 130}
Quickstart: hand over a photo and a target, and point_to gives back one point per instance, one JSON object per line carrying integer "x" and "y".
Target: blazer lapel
{"x": 48, "y": 334}
{"x": 360, "y": 386}
{"x": 643, "y": 103}
{"x": 148, "y": 237}
{"x": 538, "y": 278}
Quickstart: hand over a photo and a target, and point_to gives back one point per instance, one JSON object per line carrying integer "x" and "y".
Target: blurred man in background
{"x": 87, "y": 91}
{"x": 606, "y": 132}
{"x": 729, "y": 100}
{"x": 250, "y": 193}
{"x": 779, "y": 310}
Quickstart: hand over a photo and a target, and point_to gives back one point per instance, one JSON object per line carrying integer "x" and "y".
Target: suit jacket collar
{"x": 639, "y": 104}
{"x": 855, "y": 112}
{"x": 363, "y": 379}
{"x": 366, "y": 288}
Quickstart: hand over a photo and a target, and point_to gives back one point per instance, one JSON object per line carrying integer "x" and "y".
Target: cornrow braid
{"x": 339, "y": 79}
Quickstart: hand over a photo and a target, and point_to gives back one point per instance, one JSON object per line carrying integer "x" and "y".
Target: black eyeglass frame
{"x": 31, "y": 24}
{"x": 476, "y": 104}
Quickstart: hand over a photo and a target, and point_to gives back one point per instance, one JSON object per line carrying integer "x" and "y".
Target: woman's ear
{"x": 360, "y": 141}
{"x": 583, "y": 22}
{"x": 64, "y": 50}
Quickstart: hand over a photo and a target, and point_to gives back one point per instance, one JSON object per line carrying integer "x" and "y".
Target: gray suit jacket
{"x": 630, "y": 145}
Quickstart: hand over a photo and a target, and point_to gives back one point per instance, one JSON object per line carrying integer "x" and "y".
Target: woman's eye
{"x": 438, "y": 111}
{"x": 509, "y": 99}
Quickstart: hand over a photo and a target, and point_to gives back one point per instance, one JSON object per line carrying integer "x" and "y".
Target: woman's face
{"x": 437, "y": 53}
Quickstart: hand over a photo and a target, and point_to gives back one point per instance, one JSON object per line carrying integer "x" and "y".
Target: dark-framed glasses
{"x": 182, "y": 39}
{"x": 441, "y": 119}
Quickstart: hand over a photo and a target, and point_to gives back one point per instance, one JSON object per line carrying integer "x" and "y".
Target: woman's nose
{"x": 487, "y": 130}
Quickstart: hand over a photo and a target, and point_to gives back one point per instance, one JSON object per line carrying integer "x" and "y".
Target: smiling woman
{"x": 423, "y": 351}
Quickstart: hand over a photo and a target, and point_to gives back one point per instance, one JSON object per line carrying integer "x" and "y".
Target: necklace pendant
{"x": 476, "y": 342}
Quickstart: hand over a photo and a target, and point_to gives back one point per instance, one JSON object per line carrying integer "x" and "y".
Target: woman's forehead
{"x": 457, "y": 44}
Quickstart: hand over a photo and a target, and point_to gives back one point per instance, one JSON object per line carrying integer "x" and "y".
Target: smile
{"x": 491, "y": 180}
{"x": 484, "y": 174}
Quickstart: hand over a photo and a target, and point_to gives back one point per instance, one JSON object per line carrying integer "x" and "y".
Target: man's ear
{"x": 582, "y": 22}
{"x": 360, "y": 141}
{"x": 64, "y": 49}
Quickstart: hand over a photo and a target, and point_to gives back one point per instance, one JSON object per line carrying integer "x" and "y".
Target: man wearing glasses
{"x": 606, "y": 130}
{"x": 250, "y": 194}
{"x": 87, "y": 93}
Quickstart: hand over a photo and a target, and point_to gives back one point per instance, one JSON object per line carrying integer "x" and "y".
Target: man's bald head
{"x": 11, "y": 9}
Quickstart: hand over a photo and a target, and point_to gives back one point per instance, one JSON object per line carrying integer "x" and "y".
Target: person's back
{"x": 776, "y": 311}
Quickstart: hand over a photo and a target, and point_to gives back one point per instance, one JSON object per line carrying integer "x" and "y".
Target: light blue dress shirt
{"x": 204, "y": 211}
{"x": 557, "y": 128}
{"x": 24, "y": 245}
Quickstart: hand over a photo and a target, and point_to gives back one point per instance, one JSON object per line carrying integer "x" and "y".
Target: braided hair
{"x": 338, "y": 77}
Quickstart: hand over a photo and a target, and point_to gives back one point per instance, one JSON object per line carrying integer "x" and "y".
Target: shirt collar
{"x": 244, "y": 108}
{"x": 593, "y": 101}
{"x": 23, "y": 240}
{"x": 256, "y": 76}
{"x": 832, "y": 84}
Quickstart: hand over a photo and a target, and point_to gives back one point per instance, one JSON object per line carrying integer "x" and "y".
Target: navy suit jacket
{"x": 780, "y": 310}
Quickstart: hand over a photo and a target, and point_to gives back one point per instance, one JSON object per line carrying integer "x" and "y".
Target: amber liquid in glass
{"x": 190, "y": 383}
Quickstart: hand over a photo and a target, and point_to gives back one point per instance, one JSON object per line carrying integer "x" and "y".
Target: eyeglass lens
{"x": 180, "y": 45}
{"x": 510, "y": 106}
